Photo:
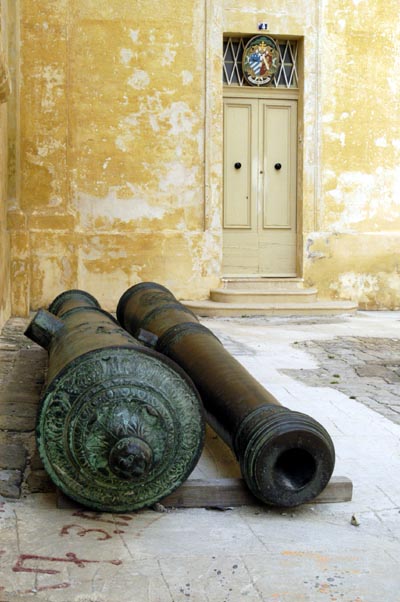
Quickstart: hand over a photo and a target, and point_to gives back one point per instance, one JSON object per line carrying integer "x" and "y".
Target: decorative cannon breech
{"x": 120, "y": 426}
{"x": 286, "y": 457}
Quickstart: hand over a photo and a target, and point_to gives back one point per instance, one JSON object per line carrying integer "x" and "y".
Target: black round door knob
{"x": 278, "y": 166}
{"x": 238, "y": 165}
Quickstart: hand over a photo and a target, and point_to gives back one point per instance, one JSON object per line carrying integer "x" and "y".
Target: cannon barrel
{"x": 119, "y": 426}
{"x": 286, "y": 457}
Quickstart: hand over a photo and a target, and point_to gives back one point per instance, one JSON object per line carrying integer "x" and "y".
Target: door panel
{"x": 238, "y": 159}
{"x": 275, "y": 147}
{"x": 260, "y": 196}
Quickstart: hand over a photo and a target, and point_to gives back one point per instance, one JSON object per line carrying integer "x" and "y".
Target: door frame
{"x": 267, "y": 93}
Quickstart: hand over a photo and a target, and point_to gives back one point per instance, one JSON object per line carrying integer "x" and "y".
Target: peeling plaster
{"x": 44, "y": 149}
{"x": 139, "y": 80}
{"x": 187, "y": 77}
{"x": 393, "y": 283}
{"x": 121, "y": 143}
{"x": 352, "y": 285}
{"x": 177, "y": 176}
{"x": 328, "y": 117}
{"x": 180, "y": 117}
{"x": 203, "y": 256}
{"x": 359, "y": 197}
{"x": 126, "y": 55}
{"x": 112, "y": 207}
{"x": 332, "y": 135}
{"x": 177, "y": 184}
{"x": 54, "y": 81}
{"x": 134, "y": 35}
{"x": 312, "y": 255}
{"x": 66, "y": 271}
{"x": 393, "y": 85}
{"x": 168, "y": 55}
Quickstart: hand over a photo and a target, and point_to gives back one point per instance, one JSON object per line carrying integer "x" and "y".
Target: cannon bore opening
{"x": 295, "y": 468}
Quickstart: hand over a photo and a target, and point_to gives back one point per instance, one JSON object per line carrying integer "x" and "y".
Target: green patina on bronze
{"x": 119, "y": 426}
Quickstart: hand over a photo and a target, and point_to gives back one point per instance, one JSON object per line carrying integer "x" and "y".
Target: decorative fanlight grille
{"x": 286, "y": 77}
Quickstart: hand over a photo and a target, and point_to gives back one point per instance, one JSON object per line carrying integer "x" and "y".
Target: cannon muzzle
{"x": 286, "y": 457}
{"x": 120, "y": 426}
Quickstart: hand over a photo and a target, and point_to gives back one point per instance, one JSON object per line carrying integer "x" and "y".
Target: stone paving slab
{"x": 372, "y": 377}
{"x": 199, "y": 555}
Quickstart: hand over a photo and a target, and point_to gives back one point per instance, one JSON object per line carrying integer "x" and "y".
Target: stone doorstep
{"x": 210, "y": 308}
{"x": 254, "y": 295}
{"x": 280, "y": 296}
{"x": 261, "y": 283}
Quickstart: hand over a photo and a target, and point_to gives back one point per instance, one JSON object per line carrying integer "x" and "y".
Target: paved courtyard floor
{"x": 344, "y": 372}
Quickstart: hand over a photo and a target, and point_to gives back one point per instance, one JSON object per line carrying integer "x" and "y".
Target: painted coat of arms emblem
{"x": 260, "y": 60}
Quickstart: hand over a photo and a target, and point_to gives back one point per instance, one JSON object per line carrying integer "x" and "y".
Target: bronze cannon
{"x": 286, "y": 457}
{"x": 119, "y": 426}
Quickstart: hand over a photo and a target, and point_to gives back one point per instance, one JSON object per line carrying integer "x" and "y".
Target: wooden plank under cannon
{"x": 229, "y": 493}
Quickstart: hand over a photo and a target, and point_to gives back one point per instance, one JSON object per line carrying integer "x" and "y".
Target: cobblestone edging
{"x": 22, "y": 372}
{"x": 364, "y": 368}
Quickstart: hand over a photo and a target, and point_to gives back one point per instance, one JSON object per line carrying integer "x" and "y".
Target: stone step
{"x": 274, "y": 295}
{"x": 210, "y": 308}
{"x": 261, "y": 283}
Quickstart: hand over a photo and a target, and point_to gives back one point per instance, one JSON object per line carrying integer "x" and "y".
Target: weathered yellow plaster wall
{"x": 113, "y": 173}
{"x": 5, "y": 298}
{"x": 352, "y": 250}
{"x": 116, "y": 145}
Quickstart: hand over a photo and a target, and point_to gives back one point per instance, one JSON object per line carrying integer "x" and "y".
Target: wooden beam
{"x": 229, "y": 493}
{"x": 198, "y": 493}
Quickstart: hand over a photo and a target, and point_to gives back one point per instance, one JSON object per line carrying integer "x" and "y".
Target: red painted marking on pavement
{"x": 98, "y": 517}
{"x": 42, "y": 588}
{"x": 63, "y": 585}
{"x": 82, "y": 531}
{"x": 70, "y": 557}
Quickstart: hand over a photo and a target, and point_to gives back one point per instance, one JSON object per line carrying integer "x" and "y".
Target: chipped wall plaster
{"x": 353, "y": 255}
{"x": 118, "y": 173}
{"x": 113, "y": 187}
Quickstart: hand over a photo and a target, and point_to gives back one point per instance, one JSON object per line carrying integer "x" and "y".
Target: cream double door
{"x": 260, "y": 167}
